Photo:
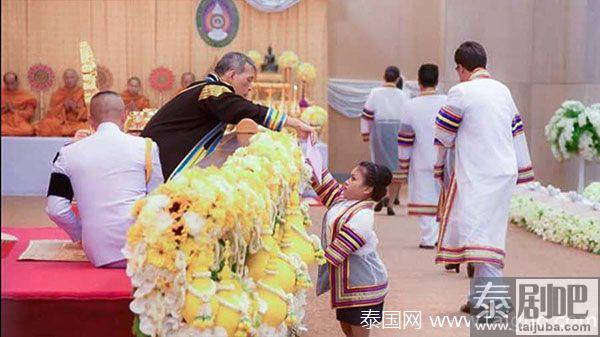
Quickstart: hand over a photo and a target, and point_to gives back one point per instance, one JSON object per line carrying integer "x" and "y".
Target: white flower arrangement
{"x": 288, "y": 59}
{"x": 306, "y": 72}
{"x": 592, "y": 192}
{"x": 255, "y": 56}
{"x": 575, "y": 130}
{"x": 554, "y": 224}
{"x": 224, "y": 252}
{"x": 314, "y": 115}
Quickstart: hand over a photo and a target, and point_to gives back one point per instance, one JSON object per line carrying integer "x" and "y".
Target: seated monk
{"x": 67, "y": 112}
{"x": 18, "y": 107}
{"x": 132, "y": 97}
{"x": 186, "y": 79}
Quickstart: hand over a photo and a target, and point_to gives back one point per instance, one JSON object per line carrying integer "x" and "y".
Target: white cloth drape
{"x": 271, "y": 6}
{"x": 348, "y": 97}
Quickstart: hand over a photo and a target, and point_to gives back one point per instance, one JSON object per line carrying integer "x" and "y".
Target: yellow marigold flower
{"x": 137, "y": 207}
{"x": 135, "y": 234}
{"x": 162, "y": 254}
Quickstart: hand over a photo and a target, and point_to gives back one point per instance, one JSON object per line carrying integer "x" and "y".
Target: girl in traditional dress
{"x": 379, "y": 126}
{"x": 354, "y": 272}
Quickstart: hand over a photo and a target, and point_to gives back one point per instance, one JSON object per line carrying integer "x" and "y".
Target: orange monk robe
{"x": 177, "y": 92}
{"x": 140, "y": 100}
{"x": 60, "y": 122}
{"x": 16, "y": 122}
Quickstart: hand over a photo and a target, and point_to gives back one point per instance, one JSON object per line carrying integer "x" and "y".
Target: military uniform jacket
{"x": 190, "y": 126}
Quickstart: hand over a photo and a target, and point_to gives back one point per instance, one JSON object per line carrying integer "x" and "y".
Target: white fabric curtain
{"x": 271, "y": 6}
{"x": 348, "y": 97}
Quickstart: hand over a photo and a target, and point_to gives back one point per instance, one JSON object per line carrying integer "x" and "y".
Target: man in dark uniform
{"x": 191, "y": 125}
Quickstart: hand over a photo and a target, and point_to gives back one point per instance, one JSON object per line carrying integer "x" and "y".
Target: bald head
{"x": 11, "y": 81}
{"x": 134, "y": 85}
{"x": 107, "y": 106}
{"x": 71, "y": 78}
{"x": 187, "y": 79}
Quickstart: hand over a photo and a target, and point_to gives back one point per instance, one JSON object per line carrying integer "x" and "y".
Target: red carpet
{"x": 61, "y": 298}
{"x": 52, "y": 280}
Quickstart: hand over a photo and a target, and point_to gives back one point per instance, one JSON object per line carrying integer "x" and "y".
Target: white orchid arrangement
{"x": 575, "y": 130}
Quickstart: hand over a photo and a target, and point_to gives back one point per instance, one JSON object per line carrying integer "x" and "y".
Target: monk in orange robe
{"x": 132, "y": 97}
{"x": 186, "y": 79}
{"x": 18, "y": 107}
{"x": 67, "y": 112}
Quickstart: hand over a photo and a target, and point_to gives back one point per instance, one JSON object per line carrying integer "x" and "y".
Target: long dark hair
{"x": 378, "y": 177}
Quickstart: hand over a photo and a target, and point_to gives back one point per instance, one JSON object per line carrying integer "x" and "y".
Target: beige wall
{"x": 133, "y": 37}
{"x": 364, "y": 37}
{"x": 546, "y": 51}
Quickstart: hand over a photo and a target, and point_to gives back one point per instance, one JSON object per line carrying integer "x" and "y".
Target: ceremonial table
{"x": 27, "y": 163}
{"x": 66, "y": 299}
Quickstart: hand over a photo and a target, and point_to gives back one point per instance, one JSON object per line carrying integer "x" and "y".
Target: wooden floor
{"x": 416, "y": 283}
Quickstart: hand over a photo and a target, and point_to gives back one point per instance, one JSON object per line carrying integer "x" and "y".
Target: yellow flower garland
{"x": 240, "y": 230}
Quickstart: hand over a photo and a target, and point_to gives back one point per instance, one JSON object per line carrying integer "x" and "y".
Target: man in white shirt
{"x": 418, "y": 154}
{"x": 106, "y": 173}
{"x": 482, "y": 123}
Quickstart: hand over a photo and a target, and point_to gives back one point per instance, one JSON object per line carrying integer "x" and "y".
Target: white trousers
{"x": 429, "y": 230}
{"x": 484, "y": 270}
{"x": 487, "y": 270}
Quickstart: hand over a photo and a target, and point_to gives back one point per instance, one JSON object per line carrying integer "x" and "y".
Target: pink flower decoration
{"x": 162, "y": 79}
{"x": 40, "y": 77}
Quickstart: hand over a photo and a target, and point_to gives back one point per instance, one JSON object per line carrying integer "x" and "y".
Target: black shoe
{"x": 455, "y": 266}
{"x": 396, "y": 202}
{"x": 470, "y": 270}
{"x": 422, "y": 246}
{"x": 466, "y": 308}
{"x": 390, "y": 211}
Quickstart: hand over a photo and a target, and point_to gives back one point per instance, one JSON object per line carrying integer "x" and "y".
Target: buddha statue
{"x": 270, "y": 65}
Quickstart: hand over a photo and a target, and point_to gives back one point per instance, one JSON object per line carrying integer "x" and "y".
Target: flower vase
{"x": 303, "y": 102}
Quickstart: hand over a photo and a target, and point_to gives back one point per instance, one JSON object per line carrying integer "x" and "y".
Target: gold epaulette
{"x": 212, "y": 90}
